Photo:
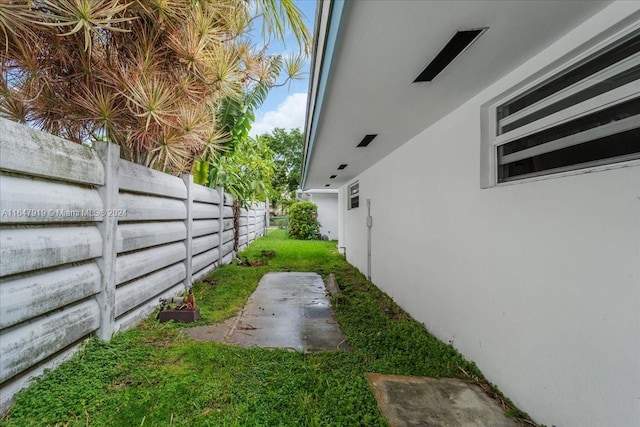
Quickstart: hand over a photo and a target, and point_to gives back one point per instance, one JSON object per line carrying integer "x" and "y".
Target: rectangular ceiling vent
{"x": 333, "y": 176}
{"x": 367, "y": 140}
{"x": 458, "y": 43}
{"x": 342, "y": 166}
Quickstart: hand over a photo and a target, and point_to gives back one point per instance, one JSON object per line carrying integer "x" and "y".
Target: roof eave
{"x": 329, "y": 19}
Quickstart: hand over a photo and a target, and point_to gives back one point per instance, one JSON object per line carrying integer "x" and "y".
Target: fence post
{"x": 110, "y": 156}
{"x": 188, "y": 222}
{"x": 248, "y": 213}
{"x": 221, "y": 225}
{"x": 265, "y": 217}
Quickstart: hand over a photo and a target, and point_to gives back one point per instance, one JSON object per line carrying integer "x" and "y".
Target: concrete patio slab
{"x": 287, "y": 310}
{"x": 435, "y": 402}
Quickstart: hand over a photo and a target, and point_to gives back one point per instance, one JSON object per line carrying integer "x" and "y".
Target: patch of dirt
{"x": 212, "y": 333}
{"x": 251, "y": 263}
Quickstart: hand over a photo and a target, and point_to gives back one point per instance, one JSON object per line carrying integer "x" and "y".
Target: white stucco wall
{"x": 327, "y": 213}
{"x": 536, "y": 282}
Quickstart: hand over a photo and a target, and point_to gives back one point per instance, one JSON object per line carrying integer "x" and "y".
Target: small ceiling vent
{"x": 458, "y": 44}
{"x": 367, "y": 140}
{"x": 342, "y": 166}
{"x": 333, "y": 176}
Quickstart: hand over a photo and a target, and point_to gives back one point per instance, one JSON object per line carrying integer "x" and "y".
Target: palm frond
{"x": 11, "y": 106}
{"x": 88, "y": 16}
{"x": 102, "y": 106}
{"x": 152, "y": 99}
{"x": 224, "y": 74}
{"x": 169, "y": 80}
{"x": 278, "y": 15}
{"x": 15, "y": 21}
{"x": 294, "y": 66}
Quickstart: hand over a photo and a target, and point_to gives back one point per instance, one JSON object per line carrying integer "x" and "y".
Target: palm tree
{"x": 154, "y": 76}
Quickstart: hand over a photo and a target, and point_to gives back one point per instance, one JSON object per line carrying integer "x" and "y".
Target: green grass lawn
{"x": 155, "y": 375}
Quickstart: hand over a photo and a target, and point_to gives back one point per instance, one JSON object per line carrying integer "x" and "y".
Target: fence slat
{"x": 148, "y": 208}
{"x": 23, "y": 347}
{"x": 27, "y": 200}
{"x": 31, "y": 374}
{"x": 137, "y": 264}
{"x": 132, "y": 318}
{"x": 202, "y": 227}
{"x": 134, "y": 236}
{"x": 227, "y": 248}
{"x": 227, "y": 236}
{"x": 31, "y": 296}
{"x": 139, "y": 179}
{"x": 228, "y": 258}
{"x": 227, "y": 212}
{"x": 228, "y": 224}
{"x": 205, "y": 243}
{"x": 205, "y": 259}
{"x": 204, "y": 210}
{"x": 141, "y": 291}
{"x": 35, "y": 153}
{"x": 23, "y": 250}
{"x": 205, "y": 195}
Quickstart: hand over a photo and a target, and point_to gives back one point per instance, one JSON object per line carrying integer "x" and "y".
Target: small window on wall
{"x": 354, "y": 195}
{"x": 585, "y": 115}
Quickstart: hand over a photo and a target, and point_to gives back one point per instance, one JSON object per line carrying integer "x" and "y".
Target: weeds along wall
{"x": 90, "y": 242}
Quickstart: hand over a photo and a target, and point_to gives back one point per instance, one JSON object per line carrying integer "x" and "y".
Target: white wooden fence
{"x": 90, "y": 242}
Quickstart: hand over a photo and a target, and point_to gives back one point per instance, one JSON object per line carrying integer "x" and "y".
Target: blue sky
{"x": 285, "y": 106}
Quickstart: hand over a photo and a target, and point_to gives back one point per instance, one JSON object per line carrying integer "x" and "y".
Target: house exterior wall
{"x": 537, "y": 282}
{"x": 327, "y": 213}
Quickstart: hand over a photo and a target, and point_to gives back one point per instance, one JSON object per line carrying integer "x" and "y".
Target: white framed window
{"x": 353, "y": 195}
{"x": 583, "y": 114}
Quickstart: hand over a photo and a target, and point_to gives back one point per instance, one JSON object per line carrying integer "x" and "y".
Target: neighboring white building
{"x": 504, "y": 194}
{"x": 327, "y": 202}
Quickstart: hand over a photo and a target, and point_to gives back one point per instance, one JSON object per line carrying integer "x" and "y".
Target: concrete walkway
{"x": 292, "y": 311}
{"x": 287, "y": 310}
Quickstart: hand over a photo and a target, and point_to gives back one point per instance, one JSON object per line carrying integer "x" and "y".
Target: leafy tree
{"x": 155, "y": 76}
{"x": 246, "y": 168}
{"x": 303, "y": 221}
{"x": 287, "y": 147}
{"x": 246, "y": 172}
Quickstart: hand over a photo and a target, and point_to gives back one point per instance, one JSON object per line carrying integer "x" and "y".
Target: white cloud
{"x": 289, "y": 115}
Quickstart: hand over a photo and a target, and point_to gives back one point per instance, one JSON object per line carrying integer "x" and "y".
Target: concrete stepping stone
{"x": 435, "y": 402}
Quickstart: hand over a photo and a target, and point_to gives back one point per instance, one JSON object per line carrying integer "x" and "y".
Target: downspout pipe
{"x": 369, "y": 226}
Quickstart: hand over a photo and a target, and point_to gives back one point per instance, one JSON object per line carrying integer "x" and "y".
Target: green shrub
{"x": 303, "y": 221}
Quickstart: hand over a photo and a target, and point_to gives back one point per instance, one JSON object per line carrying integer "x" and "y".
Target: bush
{"x": 303, "y": 221}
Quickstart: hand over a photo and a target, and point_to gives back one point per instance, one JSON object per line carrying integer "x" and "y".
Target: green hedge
{"x": 303, "y": 221}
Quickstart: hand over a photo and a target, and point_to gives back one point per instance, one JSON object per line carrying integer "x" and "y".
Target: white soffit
{"x": 384, "y": 45}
